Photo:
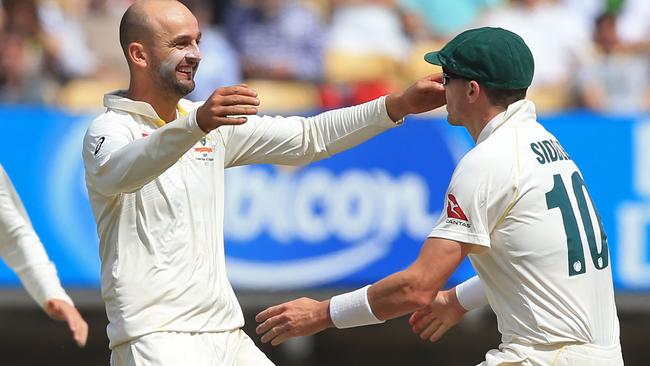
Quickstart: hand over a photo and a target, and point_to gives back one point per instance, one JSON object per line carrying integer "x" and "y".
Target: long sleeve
{"x": 23, "y": 251}
{"x": 118, "y": 162}
{"x": 300, "y": 140}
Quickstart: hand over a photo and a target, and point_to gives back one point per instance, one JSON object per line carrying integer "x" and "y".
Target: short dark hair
{"x": 133, "y": 27}
{"x": 504, "y": 97}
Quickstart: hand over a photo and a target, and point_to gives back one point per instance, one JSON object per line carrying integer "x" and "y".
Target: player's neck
{"x": 481, "y": 119}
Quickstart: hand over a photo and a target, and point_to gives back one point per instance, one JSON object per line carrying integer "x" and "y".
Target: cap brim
{"x": 433, "y": 58}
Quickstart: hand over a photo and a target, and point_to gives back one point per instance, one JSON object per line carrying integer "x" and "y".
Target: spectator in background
{"x": 588, "y": 9}
{"x": 634, "y": 21}
{"x": 366, "y": 49}
{"x": 100, "y": 21}
{"x": 617, "y": 79}
{"x": 277, "y": 39}
{"x": 443, "y": 19}
{"x": 62, "y": 21}
{"x": 368, "y": 27}
{"x": 219, "y": 64}
{"x": 21, "y": 76}
{"x": 556, "y": 36}
{"x": 28, "y": 55}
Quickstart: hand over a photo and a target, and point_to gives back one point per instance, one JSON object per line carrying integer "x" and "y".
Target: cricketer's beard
{"x": 167, "y": 79}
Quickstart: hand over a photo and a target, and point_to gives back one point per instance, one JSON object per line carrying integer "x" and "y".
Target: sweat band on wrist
{"x": 352, "y": 309}
{"x": 471, "y": 294}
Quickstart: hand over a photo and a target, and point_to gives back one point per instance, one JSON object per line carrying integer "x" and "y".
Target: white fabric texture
{"x": 352, "y": 309}
{"x": 157, "y": 194}
{"x": 561, "y": 355}
{"x": 23, "y": 251}
{"x": 471, "y": 295}
{"x": 501, "y": 200}
{"x": 233, "y": 348}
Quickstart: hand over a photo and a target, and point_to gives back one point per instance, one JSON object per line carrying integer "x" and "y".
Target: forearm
{"x": 28, "y": 259}
{"x": 400, "y": 294}
{"x": 338, "y": 130}
{"x": 138, "y": 162}
{"x": 299, "y": 140}
{"x": 22, "y": 250}
{"x": 394, "y": 296}
{"x": 416, "y": 286}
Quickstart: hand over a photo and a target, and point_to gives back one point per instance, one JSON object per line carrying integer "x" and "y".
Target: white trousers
{"x": 232, "y": 348}
{"x": 568, "y": 355}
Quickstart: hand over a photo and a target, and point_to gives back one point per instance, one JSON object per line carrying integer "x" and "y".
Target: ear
{"x": 473, "y": 91}
{"x": 137, "y": 55}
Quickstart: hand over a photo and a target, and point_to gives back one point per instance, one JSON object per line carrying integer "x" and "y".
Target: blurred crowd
{"x": 308, "y": 55}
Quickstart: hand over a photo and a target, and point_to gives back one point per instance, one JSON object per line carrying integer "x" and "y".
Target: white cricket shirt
{"x": 158, "y": 199}
{"x": 540, "y": 250}
{"x": 23, "y": 251}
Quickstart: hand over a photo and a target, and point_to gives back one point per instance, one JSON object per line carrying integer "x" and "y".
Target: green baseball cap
{"x": 495, "y": 57}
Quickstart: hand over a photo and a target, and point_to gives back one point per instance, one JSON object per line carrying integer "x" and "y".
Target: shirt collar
{"x": 118, "y": 100}
{"x": 520, "y": 110}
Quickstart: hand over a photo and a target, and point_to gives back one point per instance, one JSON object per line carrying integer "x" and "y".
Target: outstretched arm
{"x": 393, "y": 296}
{"x": 118, "y": 162}
{"x": 300, "y": 140}
{"x": 23, "y": 252}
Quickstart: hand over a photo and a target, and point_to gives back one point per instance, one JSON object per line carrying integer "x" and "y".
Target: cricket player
{"x": 23, "y": 252}
{"x": 154, "y": 166}
{"x": 518, "y": 205}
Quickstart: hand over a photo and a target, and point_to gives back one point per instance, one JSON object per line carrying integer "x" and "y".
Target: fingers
{"x": 269, "y": 323}
{"x": 439, "y": 333}
{"x": 281, "y": 337}
{"x": 415, "y": 317}
{"x": 61, "y": 310}
{"x": 435, "y": 77}
{"x": 430, "y": 329}
{"x": 79, "y": 329}
{"x": 269, "y": 312}
{"x": 423, "y": 322}
{"x": 274, "y": 330}
{"x": 77, "y": 325}
{"x": 241, "y": 89}
{"x": 233, "y": 100}
{"x": 432, "y": 83}
{"x": 276, "y": 335}
{"x": 227, "y": 106}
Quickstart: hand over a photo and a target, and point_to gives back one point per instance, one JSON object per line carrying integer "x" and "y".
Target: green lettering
{"x": 535, "y": 147}
{"x": 548, "y": 146}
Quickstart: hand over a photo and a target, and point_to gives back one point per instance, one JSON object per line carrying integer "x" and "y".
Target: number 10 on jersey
{"x": 558, "y": 197}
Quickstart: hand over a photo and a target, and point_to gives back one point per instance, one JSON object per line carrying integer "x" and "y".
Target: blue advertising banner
{"x": 341, "y": 222}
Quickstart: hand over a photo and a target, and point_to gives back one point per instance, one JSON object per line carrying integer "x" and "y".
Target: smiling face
{"x": 175, "y": 54}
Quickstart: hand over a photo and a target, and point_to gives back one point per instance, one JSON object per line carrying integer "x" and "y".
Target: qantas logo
{"x": 453, "y": 209}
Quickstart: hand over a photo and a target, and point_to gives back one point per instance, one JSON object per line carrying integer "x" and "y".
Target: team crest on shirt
{"x": 204, "y": 149}
{"x": 455, "y": 214}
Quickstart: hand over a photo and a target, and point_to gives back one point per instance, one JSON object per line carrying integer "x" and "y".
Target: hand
{"x": 295, "y": 318}
{"x": 61, "y": 310}
{"x": 434, "y": 320}
{"x": 425, "y": 95}
{"x": 224, "y": 103}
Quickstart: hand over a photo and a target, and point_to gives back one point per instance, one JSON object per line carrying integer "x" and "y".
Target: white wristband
{"x": 352, "y": 309}
{"x": 471, "y": 294}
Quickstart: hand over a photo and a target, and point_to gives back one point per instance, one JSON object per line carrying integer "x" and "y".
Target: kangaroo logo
{"x": 453, "y": 209}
